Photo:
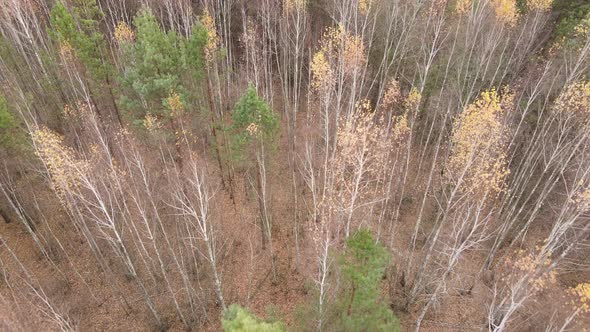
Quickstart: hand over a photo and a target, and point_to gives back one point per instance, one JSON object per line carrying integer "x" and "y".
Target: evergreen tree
{"x": 254, "y": 128}
{"x": 254, "y": 124}
{"x": 238, "y": 319}
{"x": 154, "y": 65}
{"x": 63, "y": 25}
{"x": 195, "y": 51}
{"x": 80, "y": 30}
{"x": 363, "y": 266}
{"x": 92, "y": 45}
{"x": 12, "y": 138}
{"x": 7, "y": 121}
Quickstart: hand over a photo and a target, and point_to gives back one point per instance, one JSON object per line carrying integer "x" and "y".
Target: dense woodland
{"x": 294, "y": 165}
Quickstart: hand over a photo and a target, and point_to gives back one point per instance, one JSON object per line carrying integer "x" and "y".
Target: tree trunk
{"x": 262, "y": 211}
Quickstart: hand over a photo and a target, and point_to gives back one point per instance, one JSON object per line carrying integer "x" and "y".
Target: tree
{"x": 193, "y": 206}
{"x": 254, "y": 128}
{"x": 88, "y": 40}
{"x": 7, "y": 124}
{"x": 254, "y": 124}
{"x": 201, "y": 48}
{"x": 238, "y": 319}
{"x": 195, "y": 51}
{"x": 363, "y": 266}
{"x": 360, "y": 161}
{"x": 78, "y": 32}
{"x": 13, "y": 138}
{"x": 153, "y": 67}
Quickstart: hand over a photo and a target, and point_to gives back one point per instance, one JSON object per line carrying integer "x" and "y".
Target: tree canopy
{"x": 238, "y": 319}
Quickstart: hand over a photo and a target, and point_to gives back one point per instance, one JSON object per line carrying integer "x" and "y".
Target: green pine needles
{"x": 6, "y": 119}
{"x": 153, "y": 67}
{"x": 80, "y": 30}
{"x": 12, "y": 138}
{"x": 195, "y": 51}
{"x": 363, "y": 266}
{"x": 357, "y": 304}
{"x": 238, "y": 319}
{"x": 255, "y": 125}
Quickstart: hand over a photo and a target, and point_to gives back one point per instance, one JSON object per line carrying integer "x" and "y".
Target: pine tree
{"x": 90, "y": 43}
{"x": 79, "y": 31}
{"x": 195, "y": 51}
{"x": 238, "y": 319}
{"x": 200, "y": 47}
{"x": 7, "y": 122}
{"x": 154, "y": 65}
{"x": 254, "y": 124}
{"x": 363, "y": 266}
{"x": 12, "y": 138}
{"x": 63, "y": 25}
{"x": 254, "y": 128}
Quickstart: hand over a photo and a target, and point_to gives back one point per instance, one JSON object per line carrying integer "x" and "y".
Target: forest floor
{"x": 249, "y": 276}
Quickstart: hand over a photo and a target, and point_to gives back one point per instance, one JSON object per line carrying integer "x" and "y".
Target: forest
{"x": 295, "y": 165}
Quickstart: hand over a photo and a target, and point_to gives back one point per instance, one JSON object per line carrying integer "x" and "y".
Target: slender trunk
{"x": 262, "y": 210}
{"x": 214, "y": 134}
{"x": 114, "y": 101}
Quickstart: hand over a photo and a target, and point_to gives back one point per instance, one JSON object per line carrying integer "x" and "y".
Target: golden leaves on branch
{"x": 478, "y": 145}
{"x": 364, "y": 6}
{"x": 582, "y": 30}
{"x": 437, "y": 7}
{"x": 339, "y": 50}
{"x": 64, "y": 168}
{"x": 462, "y": 7}
{"x": 540, "y": 5}
{"x": 354, "y": 53}
{"x": 175, "y": 104}
{"x": 290, "y": 6}
{"x": 412, "y": 101}
{"x": 575, "y": 41}
{"x": 322, "y": 62}
{"x": 574, "y": 101}
{"x": 392, "y": 94}
{"x": 534, "y": 266}
{"x": 322, "y": 72}
{"x": 213, "y": 39}
{"x": 581, "y": 294}
{"x": 123, "y": 33}
{"x": 361, "y": 141}
{"x": 360, "y": 159}
{"x": 151, "y": 122}
{"x": 582, "y": 198}
{"x": 392, "y": 97}
{"x": 66, "y": 51}
{"x": 354, "y": 134}
{"x": 253, "y": 129}
{"x": 252, "y": 47}
{"x": 249, "y": 36}
{"x": 68, "y": 111}
{"x": 78, "y": 112}
{"x": 401, "y": 129}
{"x": 506, "y": 11}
